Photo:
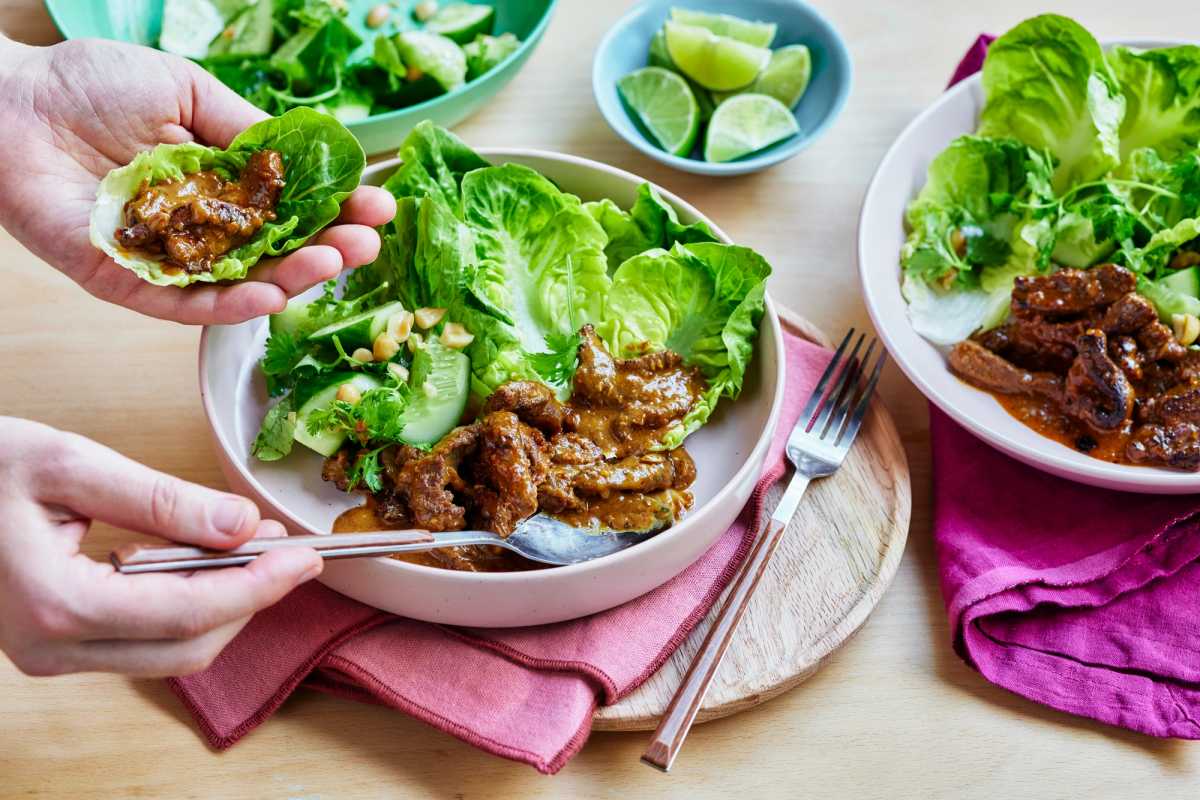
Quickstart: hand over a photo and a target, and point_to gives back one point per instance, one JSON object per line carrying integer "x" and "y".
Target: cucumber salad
{"x": 491, "y": 275}
{"x": 282, "y": 54}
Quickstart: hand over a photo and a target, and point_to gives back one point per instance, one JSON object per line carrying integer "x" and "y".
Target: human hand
{"x": 76, "y": 110}
{"x": 61, "y": 612}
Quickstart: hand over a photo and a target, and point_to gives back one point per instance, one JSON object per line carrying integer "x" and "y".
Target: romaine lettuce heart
{"x": 1047, "y": 84}
{"x": 323, "y": 163}
{"x": 704, "y": 301}
{"x": 1162, "y": 99}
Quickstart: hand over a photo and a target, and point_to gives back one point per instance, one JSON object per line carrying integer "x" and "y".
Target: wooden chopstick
{"x": 138, "y": 558}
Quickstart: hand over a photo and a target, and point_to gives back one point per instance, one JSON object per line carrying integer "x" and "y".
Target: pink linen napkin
{"x": 527, "y": 694}
{"x": 1075, "y": 597}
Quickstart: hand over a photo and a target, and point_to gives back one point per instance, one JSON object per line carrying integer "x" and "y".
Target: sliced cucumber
{"x": 327, "y": 442}
{"x": 292, "y": 318}
{"x": 1185, "y": 281}
{"x": 360, "y": 329}
{"x": 462, "y": 22}
{"x": 439, "y": 400}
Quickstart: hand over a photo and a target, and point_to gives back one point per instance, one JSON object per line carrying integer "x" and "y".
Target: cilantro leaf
{"x": 282, "y": 355}
{"x": 557, "y": 365}
{"x": 274, "y": 439}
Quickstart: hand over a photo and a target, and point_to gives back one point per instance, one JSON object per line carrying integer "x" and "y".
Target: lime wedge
{"x": 665, "y": 105}
{"x": 785, "y": 78}
{"x": 787, "y": 74}
{"x": 659, "y": 57}
{"x": 434, "y": 55}
{"x": 715, "y": 62}
{"x": 758, "y": 34}
{"x": 746, "y": 123}
{"x": 462, "y": 22}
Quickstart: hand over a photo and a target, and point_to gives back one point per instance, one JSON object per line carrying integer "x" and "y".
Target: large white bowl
{"x": 729, "y": 453}
{"x": 881, "y": 233}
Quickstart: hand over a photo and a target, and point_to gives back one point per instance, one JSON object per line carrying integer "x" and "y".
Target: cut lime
{"x": 659, "y": 57}
{"x": 746, "y": 123}
{"x": 758, "y": 34}
{"x": 785, "y": 78}
{"x": 434, "y": 55}
{"x": 787, "y": 74}
{"x": 665, "y": 105}
{"x": 462, "y": 22}
{"x": 715, "y": 62}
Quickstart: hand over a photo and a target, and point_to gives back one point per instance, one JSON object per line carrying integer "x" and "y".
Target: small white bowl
{"x": 729, "y": 454}
{"x": 881, "y": 233}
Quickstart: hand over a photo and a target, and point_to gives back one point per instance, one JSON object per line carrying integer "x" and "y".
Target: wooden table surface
{"x": 894, "y": 714}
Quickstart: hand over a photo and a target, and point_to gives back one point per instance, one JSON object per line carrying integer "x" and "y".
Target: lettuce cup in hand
{"x": 186, "y": 213}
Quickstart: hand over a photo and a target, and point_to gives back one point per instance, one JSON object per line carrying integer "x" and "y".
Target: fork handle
{"x": 685, "y": 705}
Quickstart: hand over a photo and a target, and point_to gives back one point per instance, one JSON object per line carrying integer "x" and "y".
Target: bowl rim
{"x": 53, "y": 8}
{"x": 756, "y": 454}
{"x": 780, "y": 152}
{"x": 1042, "y": 453}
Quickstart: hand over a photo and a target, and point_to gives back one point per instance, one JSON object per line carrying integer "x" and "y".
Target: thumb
{"x": 217, "y": 112}
{"x": 96, "y": 482}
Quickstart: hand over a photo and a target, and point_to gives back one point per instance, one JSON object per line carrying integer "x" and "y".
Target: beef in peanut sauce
{"x": 1085, "y": 360}
{"x": 193, "y": 221}
{"x": 590, "y": 461}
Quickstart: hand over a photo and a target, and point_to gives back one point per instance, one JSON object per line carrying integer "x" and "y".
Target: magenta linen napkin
{"x": 527, "y": 694}
{"x": 1075, "y": 597}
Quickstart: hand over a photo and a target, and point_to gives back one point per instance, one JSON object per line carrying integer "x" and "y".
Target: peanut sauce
{"x": 1043, "y": 416}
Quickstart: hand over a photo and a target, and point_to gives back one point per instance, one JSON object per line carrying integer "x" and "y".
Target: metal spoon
{"x": 540, "y": 538}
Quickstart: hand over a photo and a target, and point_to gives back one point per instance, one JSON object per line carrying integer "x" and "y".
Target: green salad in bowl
{"x": 514, "y": 349}
{"x": 379, "y": 66}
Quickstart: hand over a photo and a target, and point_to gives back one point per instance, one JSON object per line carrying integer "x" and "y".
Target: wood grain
{"x": 892, "y": 714}
{"x": 833, "y": 565}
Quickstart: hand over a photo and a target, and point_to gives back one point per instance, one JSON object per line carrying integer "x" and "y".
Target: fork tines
{"x": 835, "y": 410}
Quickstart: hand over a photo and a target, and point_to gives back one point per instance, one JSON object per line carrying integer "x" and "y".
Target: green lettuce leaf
{"x": 704, "y": 301}
{"x": 946, "y": 315}
{"x": 649, "y": 223}
{"x": 1048, "y": 85}
{"x": 1162, "y": 99}
{"x": 323, "y": 163}
{"x": 434, "y": 162}
{"x": 977, "y": 192}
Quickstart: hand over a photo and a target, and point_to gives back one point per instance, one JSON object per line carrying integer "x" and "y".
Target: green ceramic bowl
{"x": 139, "y": 21}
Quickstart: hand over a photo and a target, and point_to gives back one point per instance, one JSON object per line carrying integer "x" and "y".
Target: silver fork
{"x": 817, "y": 446}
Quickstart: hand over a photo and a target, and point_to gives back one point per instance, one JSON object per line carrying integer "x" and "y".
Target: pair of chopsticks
{"x": 132, "y": 559}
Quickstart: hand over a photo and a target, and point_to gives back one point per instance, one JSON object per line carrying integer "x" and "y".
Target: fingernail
{"x": 229, "y": 516}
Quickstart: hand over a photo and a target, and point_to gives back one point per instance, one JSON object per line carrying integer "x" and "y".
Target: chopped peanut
{"x": 1186, "y": 328}
{"x": 428, "y": 317}
{"x": 456, "y": 336}
{"x": 400, "y": 325}
{"x": 378, "y": 15}
{"x": 424, "y": 10}
{"x": 348, "y": 393}
{"x": 384, "y": 347}
{"x": 413, "y": 74}
{"x": 398, "y": 371}
{"x": 415, "y": 342}
{"x": 363, "y": 354}
{"x": 958, "y": 241}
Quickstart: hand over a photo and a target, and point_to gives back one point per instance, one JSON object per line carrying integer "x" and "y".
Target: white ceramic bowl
{"x": 729, "y": 453}
{"x": 881, "y": 233}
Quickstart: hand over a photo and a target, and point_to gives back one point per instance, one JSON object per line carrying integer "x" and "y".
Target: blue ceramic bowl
{"x": 139, "y": 21}
{"x": 624, "y": 49}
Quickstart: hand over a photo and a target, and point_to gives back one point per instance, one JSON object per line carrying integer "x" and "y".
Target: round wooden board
{"x": 834, "y": 563}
